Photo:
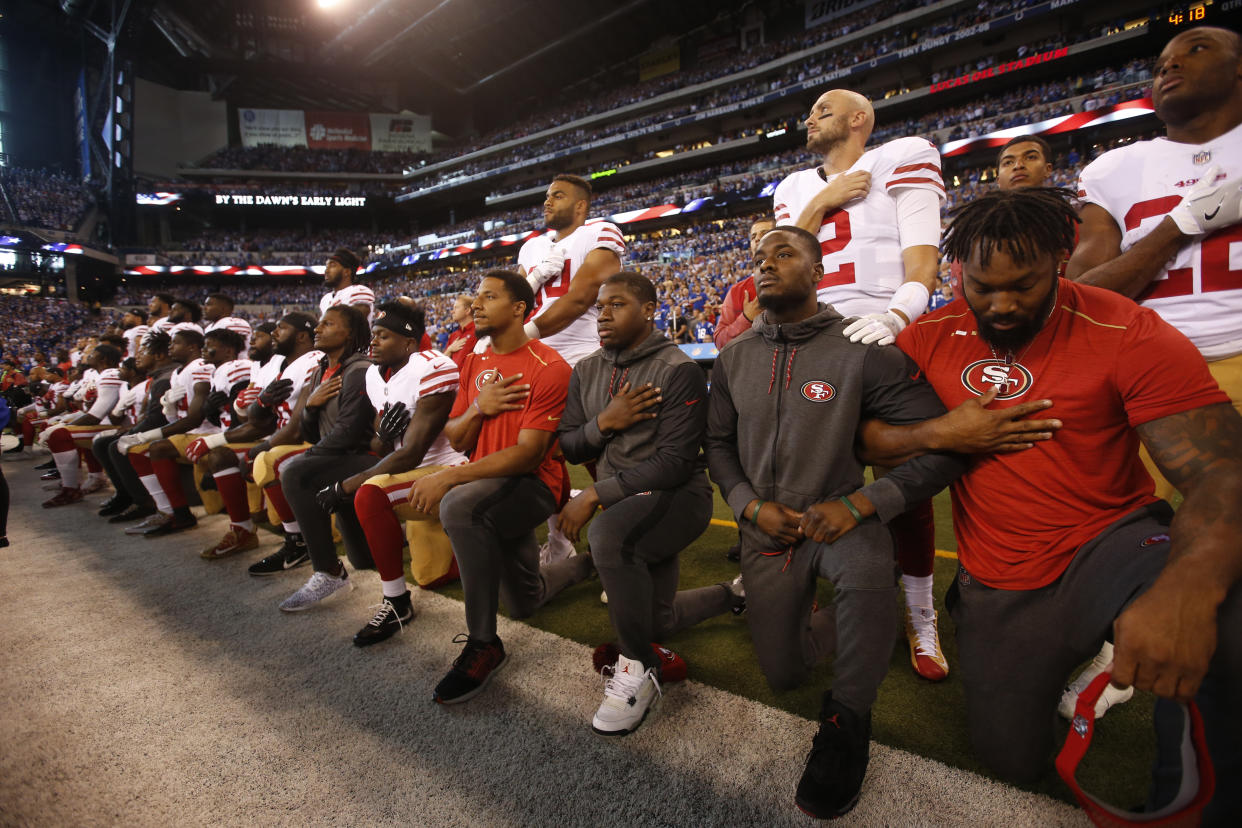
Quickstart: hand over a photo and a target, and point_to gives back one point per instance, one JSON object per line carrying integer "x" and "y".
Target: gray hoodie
{"x": 651, "y": 455}
{"x": 784, "y": 412}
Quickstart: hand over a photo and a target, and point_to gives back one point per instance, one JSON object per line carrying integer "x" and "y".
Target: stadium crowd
{"x": 46, "y": 198}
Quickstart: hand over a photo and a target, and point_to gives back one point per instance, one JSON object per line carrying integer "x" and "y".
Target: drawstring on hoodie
{"x": 613, "y": 377}
{"x": 788, "y": 368}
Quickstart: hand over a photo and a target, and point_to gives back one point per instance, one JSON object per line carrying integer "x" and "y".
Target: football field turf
{"x": 922, "y": 717}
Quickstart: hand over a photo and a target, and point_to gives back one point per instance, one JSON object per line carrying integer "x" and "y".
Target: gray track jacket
{"x": 785, "y": 406}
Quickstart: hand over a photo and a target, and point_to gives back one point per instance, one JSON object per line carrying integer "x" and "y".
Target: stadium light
{"x": 327, "y": 4}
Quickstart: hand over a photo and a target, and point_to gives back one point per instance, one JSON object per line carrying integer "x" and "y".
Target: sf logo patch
{"x": 1013, "y": 380}
{"x": 818, "y": 391}
{"x": 487, "y": 376}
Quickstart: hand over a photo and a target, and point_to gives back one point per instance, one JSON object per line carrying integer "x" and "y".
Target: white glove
{"x": 1208, "y": 206}
{"x": 46, "y": 434}
{"x": 875, "y": 328}
{"x": 130, "y": 440}
{"x": 551, "y": 267}
{"x": 173, "y": 395}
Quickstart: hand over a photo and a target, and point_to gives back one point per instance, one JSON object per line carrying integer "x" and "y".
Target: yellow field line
{"x": 940, "y": 553}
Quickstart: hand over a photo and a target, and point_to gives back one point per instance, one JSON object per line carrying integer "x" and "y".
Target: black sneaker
{"x": 48, "y": 466}
{"x": 50, "y": 475}
{"x": 835, "y": 768}
{"x": 17, "y": 449}
{"x": 472, "y": 670}
{"x": 293, "y": 554}
{"x": 115, "y": 505}
{"x": 392, "y": 615}
{"x": 135, "y": 512}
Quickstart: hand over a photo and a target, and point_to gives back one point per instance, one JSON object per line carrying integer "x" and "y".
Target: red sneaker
{"x": 63, "y": 498}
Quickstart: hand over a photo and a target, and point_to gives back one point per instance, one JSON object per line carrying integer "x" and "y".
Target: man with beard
{"x": 638, "y": 407}
{"x": 1065, "y": 542}
{"x": 566, "y": 281}
{"x": 158, "y": 310}
{"x": 876, "y": 214}
{"x": 339, "y": 273}
{"x": 787, "y": 398}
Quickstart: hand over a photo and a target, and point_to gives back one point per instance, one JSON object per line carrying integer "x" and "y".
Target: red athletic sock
{"x": 382, "y": 529}
{"x": 914, "y": 536}
{"x": 232, "y": 488}
{"x": 141, "y": 463}
{"x": 28, "y": 435}
{"x": 168, "y": 473}
{"x": 277, "y": 496}
{"x": 92, "y": 462}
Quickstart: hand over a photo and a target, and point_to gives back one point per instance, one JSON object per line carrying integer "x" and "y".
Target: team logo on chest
{"x": 1013, "y": 379}
{"x": 487, "y": 376}
{"x": 818, "y": 391}
{"x": 1202, "y": 157}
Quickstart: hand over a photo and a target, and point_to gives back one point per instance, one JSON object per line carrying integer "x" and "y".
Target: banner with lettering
{"x": 282, "y": 127}
{"x": 338, "y": 130}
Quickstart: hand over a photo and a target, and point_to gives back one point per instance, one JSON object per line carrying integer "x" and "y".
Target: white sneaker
{"x": 1109, "y": 698}
{"x": 320, "y": 586}
{"x": 558, "y": 548}
{"x": 630, "y": 691}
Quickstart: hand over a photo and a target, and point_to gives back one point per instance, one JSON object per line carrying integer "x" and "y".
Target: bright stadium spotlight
{"x": 327, "y": 4}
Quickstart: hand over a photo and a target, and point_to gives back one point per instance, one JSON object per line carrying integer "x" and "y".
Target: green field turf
{"x": 912, "y": 714}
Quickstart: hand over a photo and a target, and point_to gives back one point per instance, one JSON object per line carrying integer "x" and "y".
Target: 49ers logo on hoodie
{"x": 818, "y": 391}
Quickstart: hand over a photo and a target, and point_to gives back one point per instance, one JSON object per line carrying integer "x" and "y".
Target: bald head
{"x": 839, "y": 116}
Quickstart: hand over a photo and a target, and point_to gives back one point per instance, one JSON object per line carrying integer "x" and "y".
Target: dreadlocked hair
{"x": 359, "y": 331}
{"x": 1025, "y": 224}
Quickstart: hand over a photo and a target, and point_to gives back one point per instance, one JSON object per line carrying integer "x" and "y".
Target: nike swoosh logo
{"x": 691, "y": 402}
{"x": 1211, "y": 215}
{"x": 553, "y": 419}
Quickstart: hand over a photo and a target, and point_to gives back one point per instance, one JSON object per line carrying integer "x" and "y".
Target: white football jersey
{"x": 235, "y": 324}
{"x": 426, "y": 373}
{"x": 352, "y": 295}
{"x": 261, "y": 375}
{"x": 132, "y": 402}
{"x": 134, "y": 336}
{"x": 86, "y": 387}
{"x": 581, "y": 337}
{"x": 1199, "y": 291}
{"x": 187, "y": 377}
{"x": 533, "y": 251}
{"x": 298, "y": 371}
{"x": 861, "y": 241}
{"x": 225, "y": 377}
{"x": 108, "y": 388}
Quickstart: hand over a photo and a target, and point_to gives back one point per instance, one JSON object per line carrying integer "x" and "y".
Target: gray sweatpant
{"x": 1018, "y": 647}
{"x": 300, "y": 478}
{"x": 635, "y": 544}
{"x": 491, "y": 525}
{"x": 860, "y": 626}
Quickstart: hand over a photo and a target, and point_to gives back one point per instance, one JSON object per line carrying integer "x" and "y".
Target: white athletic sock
{"x": 291, "y": 526}
{"x": 152, "y": 484}
{"x": 67, "y": 465}
{"x": 246, "y": 525}
{"x": 918, "y": 590}
{"x": 395, "y": 588}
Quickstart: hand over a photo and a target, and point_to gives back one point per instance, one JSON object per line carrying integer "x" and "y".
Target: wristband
{"x": 531, "y": 329}
{"x": 853, "y": 509}
{"x": 754, "y": 516}
{"x": 911, "y": 299}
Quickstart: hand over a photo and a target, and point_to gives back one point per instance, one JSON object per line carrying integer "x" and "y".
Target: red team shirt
{"x": 547, "y": 374}
{"x": 1108, "y": 366}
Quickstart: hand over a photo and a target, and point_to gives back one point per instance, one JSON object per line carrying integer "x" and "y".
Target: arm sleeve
{"x": 581, "y": 440}
{"x": 678, "y": 439}
{"x": 918, "y": 217}
{"x": 784, "y": 212}
{"x": 723, "y": 459}
{"x": 916, "y": 167}
{"x": 893, "y": 395}
{"x": 355, "y": 414}
{"x": 609, "y": 237}
{"x": 109, "y": 391}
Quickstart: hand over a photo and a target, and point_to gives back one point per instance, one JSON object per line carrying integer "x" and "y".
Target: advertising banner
{"x": 659, "y": 62}
{"x": 404, "y": 132}
{"x": 282, "y": 127}
{"x": 338, "y": 130}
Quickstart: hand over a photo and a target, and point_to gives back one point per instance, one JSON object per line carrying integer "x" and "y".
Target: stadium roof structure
{"x": 288, "y": 52}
